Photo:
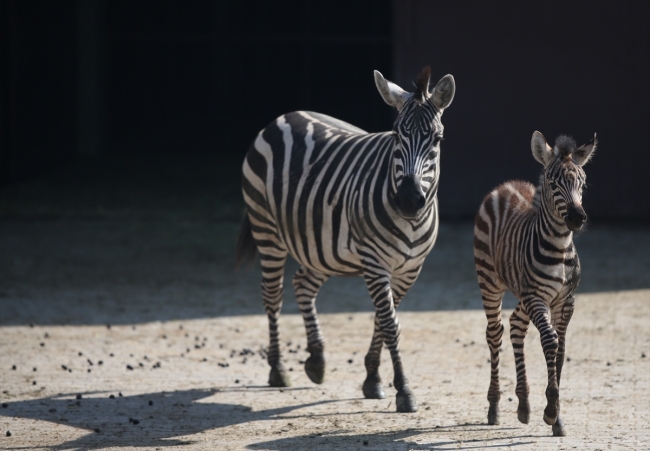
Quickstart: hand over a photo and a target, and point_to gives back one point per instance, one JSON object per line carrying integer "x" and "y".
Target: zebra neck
{"x": 550, "y": 226}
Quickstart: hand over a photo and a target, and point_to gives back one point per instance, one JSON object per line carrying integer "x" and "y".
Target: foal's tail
{"x": 246, "y": 247}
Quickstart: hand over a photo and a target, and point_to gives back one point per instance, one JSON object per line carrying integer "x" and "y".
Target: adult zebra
{"x": 523, "y": 241}
{"x": 346, "y": 202}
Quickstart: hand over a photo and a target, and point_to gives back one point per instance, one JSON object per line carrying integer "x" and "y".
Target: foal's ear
{"x": 390, "y": 92}
{"x": 443, "y": 93}
{"x": 583, "y": 154}
{"x": 541, "y": 150}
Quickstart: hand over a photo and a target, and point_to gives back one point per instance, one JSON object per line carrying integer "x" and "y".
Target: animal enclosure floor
{"x": 201, "y": 384}
{"x": 70, "y": 277}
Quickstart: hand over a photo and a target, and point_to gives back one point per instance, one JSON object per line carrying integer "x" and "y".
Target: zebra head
{"x": 563, "y": 178}
{"x": 418, "y": 132}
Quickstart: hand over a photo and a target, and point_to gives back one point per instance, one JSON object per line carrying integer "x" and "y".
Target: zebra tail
{"x": 246, "y": 247}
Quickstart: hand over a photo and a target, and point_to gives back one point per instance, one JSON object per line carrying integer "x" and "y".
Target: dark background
{"x": 148, "y": 107}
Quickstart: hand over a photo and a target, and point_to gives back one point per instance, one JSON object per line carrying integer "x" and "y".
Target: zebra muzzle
{"x": 409, "y": 198}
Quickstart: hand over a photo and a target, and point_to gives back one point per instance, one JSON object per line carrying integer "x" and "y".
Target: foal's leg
{"x": 492, "y": 297}
{"x": 306, "y": 283}
{"x": 519, "y": 323}
{"x": 273, "y": 261}
{"x": 372, "y": 386}
{"x": 378, "y": 281}
{"x": 538, "y": 312}
{"x": 561, "y": 317}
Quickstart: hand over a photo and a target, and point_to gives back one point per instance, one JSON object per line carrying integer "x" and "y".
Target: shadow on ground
{"x": 167, "y": 419}
{"x": 127, "y": 271}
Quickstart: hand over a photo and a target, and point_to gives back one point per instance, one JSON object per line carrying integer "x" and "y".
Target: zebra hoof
{"x": 278, "y": 377}
{"x": 315, "y": 368}
{"x": 406, "y": 401}
{"x": 523, "y": 411}
{"x": 558, "y": 429}
{"x": 493, "y": 414}
{"x": 373, "y": 388}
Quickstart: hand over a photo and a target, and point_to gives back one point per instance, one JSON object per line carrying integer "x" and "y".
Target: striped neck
{"x": 548, "y": 223}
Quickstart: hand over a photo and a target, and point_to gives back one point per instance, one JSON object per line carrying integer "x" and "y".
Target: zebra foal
{"x": 523, "y": 241}
{"x": 343, "y": 202}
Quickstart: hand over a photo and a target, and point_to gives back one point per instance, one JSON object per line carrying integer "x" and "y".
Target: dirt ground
{"x": 148, "y": 323}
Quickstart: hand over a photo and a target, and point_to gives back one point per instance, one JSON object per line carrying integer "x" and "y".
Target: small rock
{"x": 89, "y": 370}
{"x": 609, "y": 363}
{"x": 34, "y": 383}
{"x": 111, "y": 397}
{"x": 129, "y": 367}
{"x": 97, "y": 430}
{"x": 151, "y": 403}
{"x": 90, "y": 362}
{"x": 350, "y": 360}
{"x": 8, "y": 434}
{"x": 120, "y": 394}
{"x": 236, "y": 381}
{"x": 365, "y": 443}
{"x": 13, "y": 367}
{"x": 111, "y": 355}
{"x": 100, "y": 362}
{"x": 42, "y": 344}
{"x": 568, "y": 359}
{"x": 136, "y": 421}
{"x": 643, "y": 355}
{"x": 35, "y": 369}
{"x": 509, "y": 399}
{"x": 81, "y": 353}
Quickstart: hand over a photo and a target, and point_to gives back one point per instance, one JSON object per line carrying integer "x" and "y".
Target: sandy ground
{"x": 190, "y": 329}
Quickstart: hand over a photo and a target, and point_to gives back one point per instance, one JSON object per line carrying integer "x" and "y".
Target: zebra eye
{"x": 436, "y": 141}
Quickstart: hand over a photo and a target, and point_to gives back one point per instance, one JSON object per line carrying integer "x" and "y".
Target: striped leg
{"x": 378, "y": 282}
{"x": 492, "y": 295}
{"x": 561, "y": 318}
{"x": 372, "y": 386}
{"x": 519, "y": 323}
{"x": 273, "y": 260}
{"x": 538, "y": 313}
{"x": 306, "y": 283}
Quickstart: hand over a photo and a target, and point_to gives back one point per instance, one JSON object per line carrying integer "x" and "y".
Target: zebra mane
{"x": 422, "y": 85}
{"x": 565, "y": 146}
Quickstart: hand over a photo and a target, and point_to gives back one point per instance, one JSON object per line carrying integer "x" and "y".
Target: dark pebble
{"x": 350, "y": 360}
{"x": 34, "y": 383}
{"x": 609, "y": 363}
{"x": 129, "y": 367}
{"x": 223, "y": 365}
{"x": 568, "y": 359}
{"x": 111, "y": 355}
{"x": 509, "y": 399}
{"x": 141, "y": 364}
{"x": 643, "y": 355}
{"x": 101, "y": 362}
{"x": 457, "y": 340}
{"x": 90, "y": 362}
{"x": 365, "y": 443}
{"x": 205, "y": 359}
{"x": 89, "y": 370}
{"x": 80, "y": 353}
{"x": 97, "y": 430}
{"x": 5, "y": 405}
{"x": 79, "y": 396}
{"x": 187, "y": 350}
{"x": 290, "y": 369}
{"x": 390, "y": 384}
{"x": 164, "y": 337}
{"x": 151, "y": 403}
{"x": 46, "y": 335}
{"x": 111, "y": 397}
{"x": 8, "y": 434}
{"x": 13, "y": 367}
{"x": 69, "y": 370}
{"x": 65, "y": 368}
{"x": 42, "y": 344}
{"x": 130, "y": 355}
{"x": 136, "y": 421}
{"x": 120, "y": 394}
{"x": 35, "y": 369}
{"x": 236, "y": 381}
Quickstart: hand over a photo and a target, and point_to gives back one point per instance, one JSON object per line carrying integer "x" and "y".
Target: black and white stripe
{"x": 523, "y": 242}
{"x": 345, "y": 202}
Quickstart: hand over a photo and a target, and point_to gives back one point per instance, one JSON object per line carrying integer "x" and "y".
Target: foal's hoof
{"x": 549, "y": 419}
{"x": 406, "y": 401}
{"x": 373, "y": 388}
{"x": 278, "y": 377}
{"x": 558, "y": 429}
{"x": 523, "y": 411}
{"x": 493, "y": 414}
{"x": 315, "y": 368}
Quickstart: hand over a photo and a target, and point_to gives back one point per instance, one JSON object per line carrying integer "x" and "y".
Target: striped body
{"x": 343, "y": 202}
{"x": 523, "y": 242}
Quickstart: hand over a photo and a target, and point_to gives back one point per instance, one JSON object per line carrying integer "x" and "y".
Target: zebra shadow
{"x": 161, "y": 419}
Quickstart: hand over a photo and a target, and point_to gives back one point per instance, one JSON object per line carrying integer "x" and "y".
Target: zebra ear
{"x": 390, "y": 92}
{"x": 583, "y": 154}
{"x": 443, "y": 93}
{"x": 541, "y": 150}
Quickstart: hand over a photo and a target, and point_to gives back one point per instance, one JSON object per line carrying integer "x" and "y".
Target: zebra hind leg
{"x": 492, "y": 297}
{"x": 561, "y": 323}
{"x": 372, "y": 386}
{"x": 272, "y": 280}
{"x": 519, "y": 323}
{"x": 306, "y": 283}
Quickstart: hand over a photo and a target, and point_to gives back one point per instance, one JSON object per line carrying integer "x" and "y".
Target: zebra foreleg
{"x": 378, "y": 284}
{"x": 561, "y": 322}
{"x": 372, "y": 386}
{"x": 272, "y": 279}
{"x": 538, "y": 313}
{"x": 519, "y": 323}
{"x": 306, "y": 283}
{"x": 494, "y": 337}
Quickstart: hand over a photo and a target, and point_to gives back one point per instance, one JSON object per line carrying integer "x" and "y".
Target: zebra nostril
{"x": 420, "y": 201}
